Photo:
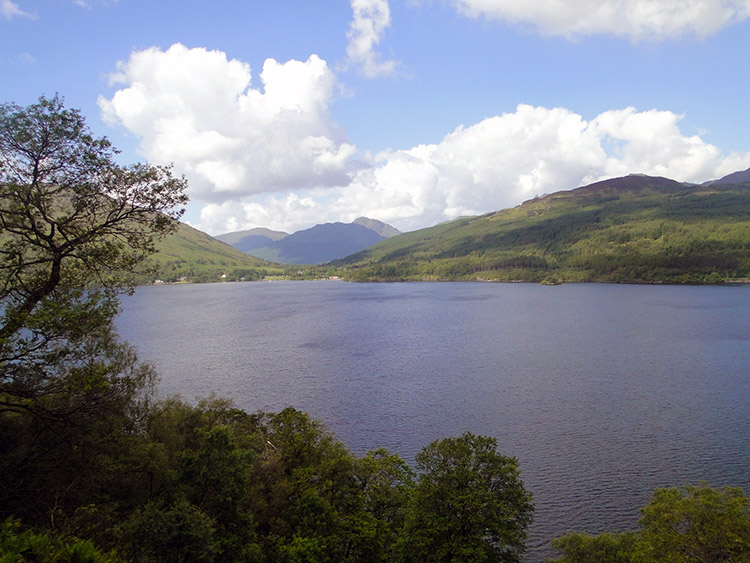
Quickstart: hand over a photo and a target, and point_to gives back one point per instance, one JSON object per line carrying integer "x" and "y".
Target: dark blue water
{"x": 603, "y": 392}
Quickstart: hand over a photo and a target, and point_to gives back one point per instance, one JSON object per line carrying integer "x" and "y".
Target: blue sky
{"x": 289, "y": 113}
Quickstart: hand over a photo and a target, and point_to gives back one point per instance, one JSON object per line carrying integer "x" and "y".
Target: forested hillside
{"x": 194, "y": 256}
{"x": 635, "y": 229}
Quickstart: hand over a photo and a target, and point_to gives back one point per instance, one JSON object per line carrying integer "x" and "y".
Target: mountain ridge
{"x": 316, "y": 245}
{"x": 634, "y": 229}
{"x": 637, "y": 228}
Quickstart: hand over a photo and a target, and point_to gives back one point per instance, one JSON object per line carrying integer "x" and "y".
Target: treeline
{"x": 204, "y": 274}
{"x": 209, "y": 482}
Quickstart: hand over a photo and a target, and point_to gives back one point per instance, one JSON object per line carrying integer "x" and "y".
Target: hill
{"x": 734, "y": 178}
{"x": 383, "y": 229}
{"x": 192, "y": 255}
{"x": 636, "y": 229}
{"x": 252, "y": 238}
{"x": 316, "y": 245}
{"x": 319, "y": 244}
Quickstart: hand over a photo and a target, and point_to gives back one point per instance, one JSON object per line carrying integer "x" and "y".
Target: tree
{"x": 26, "y": 545}
{"x": 304, "y": 490}
{"x": 697, "y": 524}
{"x": 469, "y": 504}
{"x": 71, "y": 218}
{"x": 74, "y": 226}
{"x": 603, "y": 548}
{"x": 385, "y": 483}
{"x": 191, "y": 479}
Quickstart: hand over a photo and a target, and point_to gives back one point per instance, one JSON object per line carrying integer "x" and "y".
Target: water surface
{"x": 603, "y": 392}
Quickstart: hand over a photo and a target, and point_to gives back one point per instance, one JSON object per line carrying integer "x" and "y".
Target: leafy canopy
{"x": 74, "y": 226}
{"x": 469, "y": 504}
{"x": 697, "y": 524}
{"x": 70, "y": 216}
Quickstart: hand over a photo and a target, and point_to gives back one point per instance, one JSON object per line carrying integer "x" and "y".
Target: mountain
{"x": 192, "y": 255}
{"x": 734, "y": 178}
{"x": 316, "y": 245}
{"x": 319, "y": 244}
{"x": 632, "y": 229}
{"x": 383, "y": 229}
{"x": 252, "y": 238}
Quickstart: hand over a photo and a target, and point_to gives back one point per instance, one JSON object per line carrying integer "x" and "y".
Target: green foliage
{"x": 633, "y": 229}
{"x": 386, "y": 484}
{"x": 212, "y": 483}
{"x": 66, "y": 426}
{"x": 604, "y": 548}
{"x": 74, "y": 226}
{"x": 188, "y": 255}
{"x": 175, "y": 532}
{"x": 17, "y": 545}
{"x": 469, "y": 504}
{"x": 697, "y": 524}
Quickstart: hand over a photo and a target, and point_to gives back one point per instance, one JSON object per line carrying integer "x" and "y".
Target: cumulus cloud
{"x": 637, "y": 19}
{"x": 371, "y": 19}
{"x": 9, "y": 10}
{"x": 196, "y": 109}
{"x": 272, "y": 157}
{"x": 497, "y": 163}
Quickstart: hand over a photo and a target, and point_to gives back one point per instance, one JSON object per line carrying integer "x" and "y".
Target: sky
{"x": 288, "y": 113}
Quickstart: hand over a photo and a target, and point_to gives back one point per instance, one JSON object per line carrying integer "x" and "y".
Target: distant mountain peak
{"x": 236, "y": 236}
{"x": 383, "y": 229}
{"x": 740, "y": 177}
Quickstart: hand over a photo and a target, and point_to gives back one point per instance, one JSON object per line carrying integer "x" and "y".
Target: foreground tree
{"x": 469, "y": 504}
{"x": 70, "y": 218}
{"x": 27, "y": 545}
{"x": 74, "y": 226}
{"x": 603, "y": 548}
{"x": 697, "y": 524}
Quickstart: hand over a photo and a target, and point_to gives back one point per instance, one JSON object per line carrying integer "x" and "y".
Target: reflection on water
{"x": 603, "y": 392}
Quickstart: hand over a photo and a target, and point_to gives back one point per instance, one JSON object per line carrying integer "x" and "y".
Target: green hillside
{"x": 635, "y": 229}
{"x": 192, "y": 255}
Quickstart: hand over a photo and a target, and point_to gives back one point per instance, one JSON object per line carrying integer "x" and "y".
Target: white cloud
{"x": 497, "y": 163}
{"x": 195, "y": 108}
{"x": 637, "y": 19}
{"x": 371, "y": 19}
{"x": 89, "y": 4}
{"x": 9, "y": 9}
{"x": 273, "y": 158}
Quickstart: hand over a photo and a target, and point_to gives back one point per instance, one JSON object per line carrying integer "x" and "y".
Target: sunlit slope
{"x": 631, "y": 229}
{"x": 192, "y": 255}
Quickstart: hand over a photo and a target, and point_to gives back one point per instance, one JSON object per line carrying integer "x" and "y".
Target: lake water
{"x": 603, "y": 392}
